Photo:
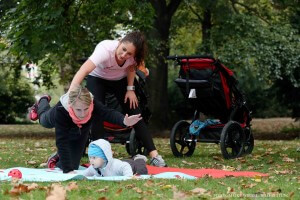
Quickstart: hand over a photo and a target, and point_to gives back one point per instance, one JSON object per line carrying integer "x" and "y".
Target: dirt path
{"x": 276, "y": 128}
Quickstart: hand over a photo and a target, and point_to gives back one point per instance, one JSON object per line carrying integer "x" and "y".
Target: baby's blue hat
{"x": 96, "y": 151}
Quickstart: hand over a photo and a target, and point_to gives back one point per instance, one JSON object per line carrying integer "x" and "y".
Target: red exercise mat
{"x": 214, "y": 173}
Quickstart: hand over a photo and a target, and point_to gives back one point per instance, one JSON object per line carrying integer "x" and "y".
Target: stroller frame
{"x": 234, "y": 132}
{"x": 117, "y": 134}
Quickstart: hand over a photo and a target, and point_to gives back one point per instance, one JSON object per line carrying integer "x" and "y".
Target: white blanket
{"x": 55, "y": 175}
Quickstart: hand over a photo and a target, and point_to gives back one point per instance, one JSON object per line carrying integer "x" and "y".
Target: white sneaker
{"x": 158, "y": 161}
{"x": 139, "y": 156}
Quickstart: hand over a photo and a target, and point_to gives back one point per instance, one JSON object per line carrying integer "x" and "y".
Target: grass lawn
{"x": 279, "y": 159}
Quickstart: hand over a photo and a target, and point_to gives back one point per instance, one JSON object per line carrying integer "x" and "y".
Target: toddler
{"x": 102, "y": 162}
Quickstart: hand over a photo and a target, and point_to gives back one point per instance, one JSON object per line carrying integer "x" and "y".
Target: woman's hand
{"x": 131, "y": 120}
{"x": 130, "y": 94}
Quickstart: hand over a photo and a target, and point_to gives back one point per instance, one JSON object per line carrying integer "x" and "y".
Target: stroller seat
{"x": 192, "y": 83}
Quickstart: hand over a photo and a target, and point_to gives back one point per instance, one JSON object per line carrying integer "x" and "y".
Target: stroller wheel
{"x": 249, "y": 142}
{"x": 232, "y": 140}
{"x": 181, "y": 141}
{"x": 136, "y": 146}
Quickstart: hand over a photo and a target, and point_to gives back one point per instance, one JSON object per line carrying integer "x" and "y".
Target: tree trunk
{"x": 206, "y": 28}
{"x": 159, "y": 68}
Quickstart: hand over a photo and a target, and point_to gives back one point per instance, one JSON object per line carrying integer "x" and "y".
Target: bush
{"x": 16, "y": 95}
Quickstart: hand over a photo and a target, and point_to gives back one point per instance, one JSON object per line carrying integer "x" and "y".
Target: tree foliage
{"x": 258, "y": 39}
{"x": 56, "y": 33}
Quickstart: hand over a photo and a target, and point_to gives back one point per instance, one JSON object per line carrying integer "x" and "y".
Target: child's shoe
{"x": 158, "y": 161}
{"x": 32, "y": 113}
{"x": 52, "y": 160}
{"x": 139, "y": 156}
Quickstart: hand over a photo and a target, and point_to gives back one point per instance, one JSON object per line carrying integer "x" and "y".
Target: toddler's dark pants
{"x": 138, "y": 166}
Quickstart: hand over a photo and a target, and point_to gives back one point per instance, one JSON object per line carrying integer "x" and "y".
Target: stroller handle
{"x": 82, "y": 60}
{"x": 176, "y": 57}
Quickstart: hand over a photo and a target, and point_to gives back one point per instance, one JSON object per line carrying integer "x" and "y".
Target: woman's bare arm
{"x": 84, "y": 70}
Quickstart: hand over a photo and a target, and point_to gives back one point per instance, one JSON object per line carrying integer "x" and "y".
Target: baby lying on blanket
{"x": 103, "y": 163}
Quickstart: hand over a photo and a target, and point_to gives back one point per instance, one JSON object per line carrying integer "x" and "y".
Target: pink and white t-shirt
{"x": 106, "y": 65}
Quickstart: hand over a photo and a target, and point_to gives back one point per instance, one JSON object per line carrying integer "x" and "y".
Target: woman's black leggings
{"x": 99, "y": 87}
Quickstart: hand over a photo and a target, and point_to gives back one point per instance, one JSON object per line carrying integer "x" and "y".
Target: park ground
{"x": 30, "y": 146}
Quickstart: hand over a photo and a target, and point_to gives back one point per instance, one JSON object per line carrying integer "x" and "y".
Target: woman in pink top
{"x": 111, "y": 68}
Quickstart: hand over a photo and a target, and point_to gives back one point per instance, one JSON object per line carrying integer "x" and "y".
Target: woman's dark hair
{"x": 138, "y": 40}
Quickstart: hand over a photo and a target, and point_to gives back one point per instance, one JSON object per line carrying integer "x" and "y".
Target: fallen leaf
{"x": 33, "y": 186}
{"x": 166, "y": 187}
{"x": 37, "y": 144}
{"x": 228, "y": 168}
{"x": 188, "y": 163}
{"x": 282, "y": 172}
{"x": 149, "y": 183}
{"x": 242, "y": 160}
{"x": 222, "y": 183}
{"x": 119, "y": 191}
{"x": 18, "y": 190}
{"x": 249, "y": 186}
{"x": 41, "y": 149}
{"x": 129, "y": 186}
{"x": 230, "y": 190}
{"x": 138, "y": 190}
{"x": 160, "y": 184}
{"x": 198, "y": 190}
{"x": 31, "y": 162}
{"x": 56, "y": 192}
{"x": 105, "y": 189}
{"x": 289, "y": 160}
{"x": 250, "y": 167}
{"x": 72, "y": 186}
{"x": 217, "y": 158}
{"x": 283, "y": 155}
{"x": 257, "y": 178}
{"x": 270, "y": 161}
{"x": 179, "y": 194}
{"x": 43, "y": 165}
{"x": 149, "y": 192}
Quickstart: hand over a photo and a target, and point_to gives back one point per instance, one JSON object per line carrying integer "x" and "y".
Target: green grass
{"x": 25, "y": 131}
{"x": 279, "y": 159}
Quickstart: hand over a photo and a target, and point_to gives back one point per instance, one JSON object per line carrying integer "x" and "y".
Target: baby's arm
{"x": 90, "y": 171}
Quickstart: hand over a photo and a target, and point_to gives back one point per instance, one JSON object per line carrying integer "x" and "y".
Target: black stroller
{"x": 212, "y": 90}
{"x": 126, "y": 136}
